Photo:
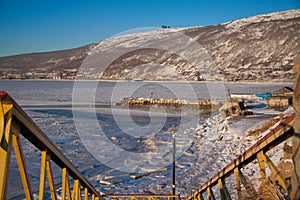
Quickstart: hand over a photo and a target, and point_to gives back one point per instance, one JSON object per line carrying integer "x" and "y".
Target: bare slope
{"x": 255, "y": 48}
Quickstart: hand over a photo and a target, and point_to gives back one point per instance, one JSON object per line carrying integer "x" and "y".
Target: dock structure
{"x": 136, "y": 102}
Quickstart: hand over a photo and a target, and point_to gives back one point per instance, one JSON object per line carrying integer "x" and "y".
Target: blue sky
{"x": 46, "y": 25}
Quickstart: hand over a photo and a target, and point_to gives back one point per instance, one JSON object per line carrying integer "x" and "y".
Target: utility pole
{"x": 173, "y": 164}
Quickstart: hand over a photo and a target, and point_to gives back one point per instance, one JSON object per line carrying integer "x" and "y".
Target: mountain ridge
{"x": 257, "y": 48}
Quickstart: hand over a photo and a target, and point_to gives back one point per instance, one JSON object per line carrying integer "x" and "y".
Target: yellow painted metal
{"x": 261, "y": 161}
{"x": 5, "y": 144}
{"x": 22, "y": 167}
{"x": 43, "y": 175}
{"x": 273, "y": 138}
{"x": 12, "y": 120}
{"x": 50, "y": 178}
{"x": 86, "y": 194}
{"x": 142, "y": 196}
{"x": 210, "y": 194}
{"x": 93, "y": 196}
{"x": 201, "y": 196}
{"x": 74, "y": 190}
{"x": 223, "y": 190}
{"x": 76, "y": 194}
{"x": 79, "y": 191}
{"x": 238, "y": 182}
{"x": 65, "y": 185}
{"x": 278, "y": 176}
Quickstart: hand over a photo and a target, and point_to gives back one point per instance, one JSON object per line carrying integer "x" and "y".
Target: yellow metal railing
{"x": 256, "y": 152}
{"x": 143, "y": 196}
{"x": 15, "y": 122}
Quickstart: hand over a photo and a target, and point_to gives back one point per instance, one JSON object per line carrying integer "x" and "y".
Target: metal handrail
{"x": 275, "y": 136}
{"x": 14, "y": 121}
{"x": 22, "y": 123}
{"x": 142, "y": 196}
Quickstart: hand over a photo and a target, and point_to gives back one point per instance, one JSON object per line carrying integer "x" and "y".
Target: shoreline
{"x": 273, "y": 82}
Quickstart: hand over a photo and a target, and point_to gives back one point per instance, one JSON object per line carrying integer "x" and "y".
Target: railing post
{"x": 86, "y": 194}
{"x": 5, "y": 144}
{"x": 278, "y": 176}
{"x": 42, "y": 175}
{"x": 79, "y": 197}
{"x": 296, "y": 137}
{"x": 210, "y": 193}
{"x": 261, "y": 161}
{"x": 21, "y": 164}
{"x": 260, "y": 156}
{"x": 199, "y": 196}
{"x": 223, "y": 190}
{"x": 50, "y": 179}
{"x": 65, "y": 184}
{"x": 238, "y": 182}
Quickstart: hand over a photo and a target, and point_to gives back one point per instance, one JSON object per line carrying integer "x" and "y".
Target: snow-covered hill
{"x": 255, "y": 48}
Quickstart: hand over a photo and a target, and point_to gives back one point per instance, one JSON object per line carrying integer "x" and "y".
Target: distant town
{"x": 55, "y": 75}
